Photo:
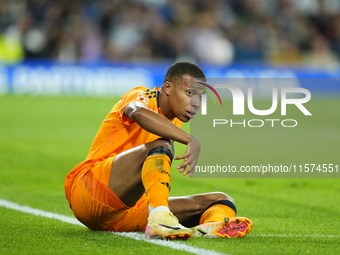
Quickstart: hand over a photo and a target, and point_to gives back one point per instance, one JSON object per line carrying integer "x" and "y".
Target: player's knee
{"x": 220, "y": 196}
{"x": 223, "y": 199}
{"x": 161, "y": 142}
{"x": 162, "y": 146}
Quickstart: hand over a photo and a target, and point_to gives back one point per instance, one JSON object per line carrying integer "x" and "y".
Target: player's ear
{"x": 166, "y": 87}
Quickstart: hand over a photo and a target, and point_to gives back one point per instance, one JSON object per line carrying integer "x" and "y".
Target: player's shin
{"x": 217, "y": 211}
{"x": 156, "y": 178}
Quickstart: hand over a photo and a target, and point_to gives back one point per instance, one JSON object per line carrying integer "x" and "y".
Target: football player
{"x": 124, "y": 183}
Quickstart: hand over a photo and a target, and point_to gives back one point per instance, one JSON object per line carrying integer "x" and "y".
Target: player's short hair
{"x": 178, "y": 69}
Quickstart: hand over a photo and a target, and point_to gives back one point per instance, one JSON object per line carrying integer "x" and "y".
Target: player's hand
{"x": 190, "y": 157}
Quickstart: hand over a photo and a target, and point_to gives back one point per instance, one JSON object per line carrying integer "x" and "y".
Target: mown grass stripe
{"x": 135, "y": 236}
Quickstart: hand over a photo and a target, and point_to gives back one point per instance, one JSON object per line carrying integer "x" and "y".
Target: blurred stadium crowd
{"x": 213, "y": 31}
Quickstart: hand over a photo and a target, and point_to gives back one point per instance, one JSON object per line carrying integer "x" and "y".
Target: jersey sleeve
{"x": 137, "y": 94}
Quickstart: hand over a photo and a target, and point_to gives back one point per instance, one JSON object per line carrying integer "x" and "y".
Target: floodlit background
{"x": 108, "y": 47}
{"x": 218, "y": 32}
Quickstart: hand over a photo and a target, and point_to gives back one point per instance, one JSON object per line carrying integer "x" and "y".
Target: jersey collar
{"x": 157, "y": 95}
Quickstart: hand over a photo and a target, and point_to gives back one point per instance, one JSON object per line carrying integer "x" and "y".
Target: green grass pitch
{"x": 43, "y": 138}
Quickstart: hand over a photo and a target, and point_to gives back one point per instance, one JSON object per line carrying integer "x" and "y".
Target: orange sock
{"x": 216, "y": 213}
{"x": 156, "y": 179}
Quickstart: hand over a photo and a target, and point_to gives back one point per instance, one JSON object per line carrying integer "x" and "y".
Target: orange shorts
{"x": 98, "y": 207}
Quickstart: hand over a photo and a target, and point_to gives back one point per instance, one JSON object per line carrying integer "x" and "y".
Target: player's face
{"x": 185, "y": 98}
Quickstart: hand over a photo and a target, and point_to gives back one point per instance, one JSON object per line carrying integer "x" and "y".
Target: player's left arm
{"x": 159, "y": 125}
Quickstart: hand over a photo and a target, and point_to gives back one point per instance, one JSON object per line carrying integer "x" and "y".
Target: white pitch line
{"x": 38, "y": 212}
{"x": 133, "y": 235}
{"x": 173, "y": 245}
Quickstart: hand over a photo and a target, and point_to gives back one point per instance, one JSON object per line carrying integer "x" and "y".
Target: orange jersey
{"x": 118, "y": 133}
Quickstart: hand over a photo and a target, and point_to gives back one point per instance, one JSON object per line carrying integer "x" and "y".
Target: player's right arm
{"x": 159, "y": 125}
